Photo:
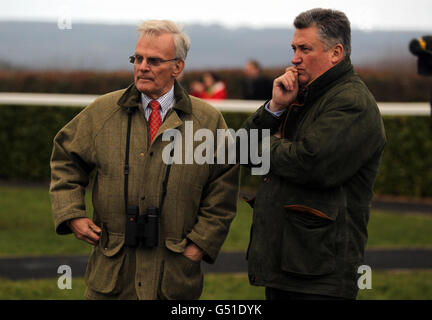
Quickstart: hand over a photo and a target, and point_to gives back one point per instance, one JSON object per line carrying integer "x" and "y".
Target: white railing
{"x": 48, "y": 99}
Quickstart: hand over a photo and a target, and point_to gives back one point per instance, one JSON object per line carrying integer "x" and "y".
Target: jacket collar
{"x": 131, "y": 98}
{"x": 323, "y": 83}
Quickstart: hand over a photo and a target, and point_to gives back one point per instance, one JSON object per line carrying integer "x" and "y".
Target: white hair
{"x": 157, "y": 27}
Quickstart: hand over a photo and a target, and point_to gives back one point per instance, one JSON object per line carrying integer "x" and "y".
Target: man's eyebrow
{"x": 150, "y": 57}
{"x": 301, "y": 45}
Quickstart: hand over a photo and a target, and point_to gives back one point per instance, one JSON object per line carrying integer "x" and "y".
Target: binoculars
{"x": 142, "y": 228}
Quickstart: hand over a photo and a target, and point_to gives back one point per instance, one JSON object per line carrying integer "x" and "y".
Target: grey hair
{"x": 333, "y": 27}
{"x": 158, "y": 27}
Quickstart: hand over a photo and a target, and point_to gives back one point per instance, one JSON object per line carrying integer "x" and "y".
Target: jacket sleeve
{"x": 72, "y": 160}
{"x": 262, "y": 119}
{"x": 217, "y": 208}
{"x": 333, "y": 148}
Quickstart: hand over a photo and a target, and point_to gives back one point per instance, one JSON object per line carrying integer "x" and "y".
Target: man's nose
{"x": 296, "y": 60}
{"x": 143, "y": 65}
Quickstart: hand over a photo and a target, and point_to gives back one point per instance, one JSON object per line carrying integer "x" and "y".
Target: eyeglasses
{"x": 151, "y": 61}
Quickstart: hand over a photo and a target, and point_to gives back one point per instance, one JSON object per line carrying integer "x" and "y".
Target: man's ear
{"x": 337, "y": 54}
{"x": 178, "y": 68}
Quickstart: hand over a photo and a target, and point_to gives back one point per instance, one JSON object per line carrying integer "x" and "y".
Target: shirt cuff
{"x": 276, "y": 113}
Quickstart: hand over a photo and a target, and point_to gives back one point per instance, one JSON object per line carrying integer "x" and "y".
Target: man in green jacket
{"x": 311, "y": 210}
{"x": 154, "y": 220}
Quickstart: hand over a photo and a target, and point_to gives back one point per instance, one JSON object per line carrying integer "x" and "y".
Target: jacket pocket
{"x": 309, "y": 240}
{"x": 105, "y": 262}
{"x": 182, "y": 278}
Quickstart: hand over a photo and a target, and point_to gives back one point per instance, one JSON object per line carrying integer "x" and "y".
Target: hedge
{"x": 26, "y": 134}
{"x": 385, "y": 85}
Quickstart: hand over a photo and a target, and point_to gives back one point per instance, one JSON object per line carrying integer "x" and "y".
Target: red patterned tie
{"x": 155, "y": 119}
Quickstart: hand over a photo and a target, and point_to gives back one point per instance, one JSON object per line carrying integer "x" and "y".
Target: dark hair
{"x": 215, "y": 77}
{"x": 255, "y": 63}
{"x": 333, "y": 26}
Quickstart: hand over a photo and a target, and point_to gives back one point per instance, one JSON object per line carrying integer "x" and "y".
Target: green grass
{"x": 230, "y": 287}
{"x": 386, "y": 285}
{"x": 399, "y": 285}
{"x": 40, "y": 289}
{"x": 399, "y": 230}
{"x": 27, "y": 228}
{"x": 238, "y": 236}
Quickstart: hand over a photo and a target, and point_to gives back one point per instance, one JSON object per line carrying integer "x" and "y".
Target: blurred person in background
{"x": 211, "y": 87}
{"x": 312, "y": 209}
{"x": 255, "y": 86}
{"x": 153, "y": 222}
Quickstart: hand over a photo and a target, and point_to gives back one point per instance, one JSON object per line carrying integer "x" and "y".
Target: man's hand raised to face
{"x": 285, "y": 90}
{"x": 84, "y": 229}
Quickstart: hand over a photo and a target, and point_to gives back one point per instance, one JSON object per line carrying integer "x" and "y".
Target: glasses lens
{"x": 151, "y": 61}
{"x": 155, "y": 62}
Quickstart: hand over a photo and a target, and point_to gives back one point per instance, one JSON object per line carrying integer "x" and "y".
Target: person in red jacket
{"x": 211, "y": 87}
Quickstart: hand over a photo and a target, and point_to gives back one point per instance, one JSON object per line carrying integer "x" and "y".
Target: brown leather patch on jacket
{"x": 302, "y": 208}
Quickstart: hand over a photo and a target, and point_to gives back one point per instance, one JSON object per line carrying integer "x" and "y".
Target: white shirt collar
{"x": 166, "y": 101}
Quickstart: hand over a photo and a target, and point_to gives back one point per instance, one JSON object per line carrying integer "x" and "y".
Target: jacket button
{"x": 142, "y": 154}
{"x": 266, "y": 179}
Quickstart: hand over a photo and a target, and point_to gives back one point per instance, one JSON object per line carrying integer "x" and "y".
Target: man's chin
{"x": 303, "y": 80}
{"x": 143, "y": 87}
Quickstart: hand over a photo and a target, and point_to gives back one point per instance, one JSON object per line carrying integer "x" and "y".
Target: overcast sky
{"x": 363, "y": 14}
